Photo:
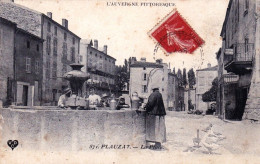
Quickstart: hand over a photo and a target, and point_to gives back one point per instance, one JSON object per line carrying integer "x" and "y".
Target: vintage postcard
{"x": 133, "y": 81}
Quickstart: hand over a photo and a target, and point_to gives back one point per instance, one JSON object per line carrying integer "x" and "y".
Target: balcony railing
{"x": 243, "y": 52}
{"x": 230, "y": 78}
{"x": 241, "y": 60}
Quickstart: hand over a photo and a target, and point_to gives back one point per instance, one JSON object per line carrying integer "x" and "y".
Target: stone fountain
{"x": 76, "y": 78}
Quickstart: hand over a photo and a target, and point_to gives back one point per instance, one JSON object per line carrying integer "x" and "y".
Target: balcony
{"x": 241, "y": 60}
{"x": 230, "y": 79}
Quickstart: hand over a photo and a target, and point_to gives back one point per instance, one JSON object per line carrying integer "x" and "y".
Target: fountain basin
{"x": 51, "y": 128}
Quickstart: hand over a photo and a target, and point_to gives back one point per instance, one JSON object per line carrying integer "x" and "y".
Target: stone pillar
{"x": 252, "y": 108}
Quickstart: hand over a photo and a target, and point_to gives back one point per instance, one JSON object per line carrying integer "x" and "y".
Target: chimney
{"x": 143, "y": 59}
{"x": 65, "y": 23}
{"x": 96, "y": 44}
{"x": 159, "y": 61}
{"x": 49, "y": 14}
{"x": 209, "y": 65}
{"x": 105, "y": 49}
{"x": 133, "y": 60}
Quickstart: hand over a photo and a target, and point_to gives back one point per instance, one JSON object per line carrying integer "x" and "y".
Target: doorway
{"x": 25, "y": 95}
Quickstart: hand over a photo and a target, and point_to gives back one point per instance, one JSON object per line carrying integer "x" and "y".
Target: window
{"x": 28, "y": 44}
{"x": 100, "y": 66}
{"x": 163, "y": 79}
{"x": 37, "y": 47}
{"x": 90, "y": 52}
{"x": 73, "y": 54}
{"x": 96, "y": 55}
{"x": 81, "y": 58}
{"x": 144, "y": 76}
{"x": 28, "y": 65}
{"x": 55, "y": 30}
{"x": 65, "y": 36}
{"x": 48, "y": 45}
{"x": 48, "y": 69}
{"x": 144, "y": 89}
{"x": 201, "y": 81}
{"x": 37, "y": 67}
{"x": 144, "y": 68}
{"x": 246, "y": 45}
{"x": 54, "y": 70}
{"x": 105, "y": 58}
{"x": 247, "y": 4}
{"x": 73, "y": 40}
{"x": 55, "y": 43}
{"x": 64, "y": 50}
{"x": 49, "y": 27}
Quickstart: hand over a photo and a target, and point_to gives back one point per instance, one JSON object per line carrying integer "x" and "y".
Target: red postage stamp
{"x": 174, "y": 34}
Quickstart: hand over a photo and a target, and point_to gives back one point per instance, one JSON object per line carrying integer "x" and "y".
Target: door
{"x": 25, "y": 95}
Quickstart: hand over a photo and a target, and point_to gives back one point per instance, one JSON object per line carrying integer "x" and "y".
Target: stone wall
{"x": 71, "y": 130}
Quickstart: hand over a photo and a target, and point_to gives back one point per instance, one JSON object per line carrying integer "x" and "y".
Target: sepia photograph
{"x": 115, "y": 82}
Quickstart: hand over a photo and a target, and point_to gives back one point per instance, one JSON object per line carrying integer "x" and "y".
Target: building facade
{"x": 144, "y": 75}
{"x": 203, "y": 84}
{"x": 28, "y": 68}
{"x": 99, "y": 65}
{"x": 7, "y": 75}
{"x": 240, "y": 34}
{"x": 60, "y": 46}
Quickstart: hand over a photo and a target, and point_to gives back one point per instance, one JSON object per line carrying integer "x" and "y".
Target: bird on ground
{"x": 209, "y": 141}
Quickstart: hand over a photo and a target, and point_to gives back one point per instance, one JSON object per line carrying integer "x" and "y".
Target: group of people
{"x": 94, "y": 99}
{"x": 155, "y": 112}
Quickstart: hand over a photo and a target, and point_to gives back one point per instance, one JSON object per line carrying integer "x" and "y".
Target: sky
{"x": 124, "y": 29}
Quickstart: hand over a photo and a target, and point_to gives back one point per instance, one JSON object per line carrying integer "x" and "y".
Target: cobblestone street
{"x": 239, "y": 136}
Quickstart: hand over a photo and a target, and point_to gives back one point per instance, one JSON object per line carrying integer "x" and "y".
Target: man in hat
{"x": 93, "y": 98}
{"x": 155, "y": 122}
{"x": 104, "y": 100}
{"x": 63, "y": 98}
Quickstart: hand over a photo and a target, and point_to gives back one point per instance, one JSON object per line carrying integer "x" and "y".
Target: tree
{"x": 122, "y": 76}
{"x": 184, "y": 78}
{"x": 191, "y": 78}
{"x": 211, "y": 94}
{"x": 179, "y": 76}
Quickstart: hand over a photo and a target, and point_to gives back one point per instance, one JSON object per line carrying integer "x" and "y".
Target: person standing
{"x": 155, "y": 122}
{"x": 93, "y": 98}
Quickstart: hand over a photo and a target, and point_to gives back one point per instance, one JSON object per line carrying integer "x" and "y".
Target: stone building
{"x": 99, "y": 64}
{"x": 28, "y": 68}
{"x": 60, "y": 46}
{"x": 173, "y": 91}
{"x": 144, "y": 75}
{"x": 7, "y": 75}
{"x": 203, "y": 84}
{"x": 240, "y": 48}
{"x": 21, "y": 65}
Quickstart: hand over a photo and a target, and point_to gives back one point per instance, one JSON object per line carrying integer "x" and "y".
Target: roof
{"x": 64, "y": 28}
{"x": 102, "y": 53}
{"x": 32, "y": 35}
{"x": 146, "y": 64}
{"x": 215, "y": 68}
{"x": 27, "y": 19}
{"x": 6, "y": 21}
